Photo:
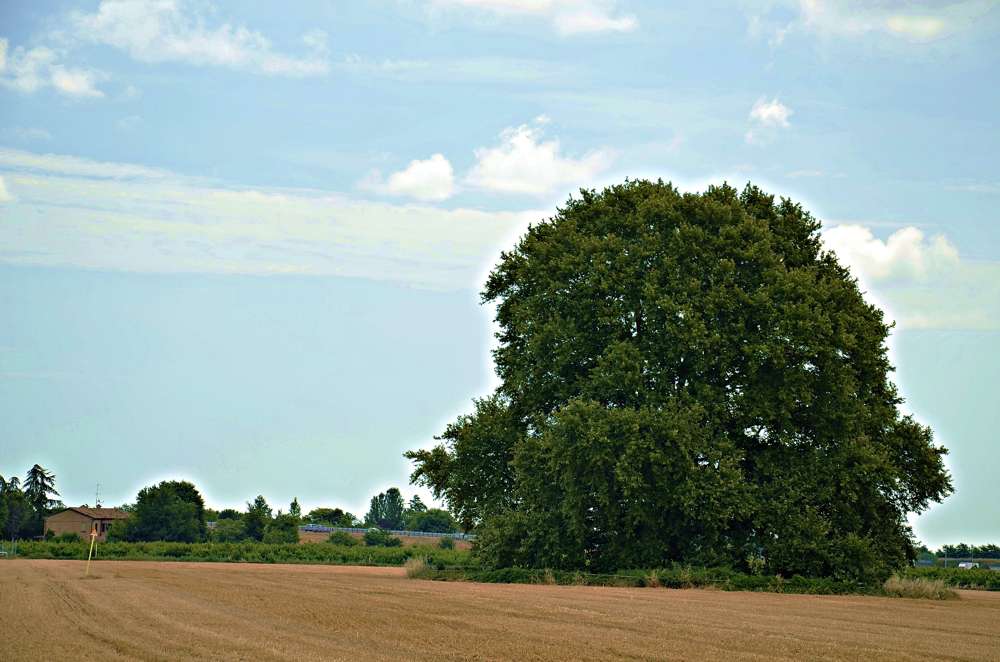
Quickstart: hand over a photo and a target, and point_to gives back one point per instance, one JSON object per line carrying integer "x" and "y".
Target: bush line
{"x": 242, "y": 552}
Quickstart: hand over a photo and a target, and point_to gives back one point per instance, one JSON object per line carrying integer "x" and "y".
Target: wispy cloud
{"x": 28, "y": 70}
{"x": 79, "y": 213}
{"x": 567, "y": 17}
{"x": 915, "y": 21}
{"x": 5, "y": 195}
{"x": 176, "y": 31}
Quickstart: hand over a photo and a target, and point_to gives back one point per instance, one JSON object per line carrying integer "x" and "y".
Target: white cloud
{"x": 921, "y": 282}
{"x": 766, "y": 117}
{"x": 12, "y": 159}
{"x": 906, "y": 255}
{"x": 75, "y": 82}
{"x": 919, "y": 20}
{"x": 71, "y": 212}
{"x": 525, "y": 163}
{"x": 568, "y": 17}
{"x": 917, "y": 27}
{"x": 30, "y": 70}
{"x": 175, "y": 31}
{"x": 429, "y": 180}
{"x": 770, "y": 113}
{"x": 5, "y": 195}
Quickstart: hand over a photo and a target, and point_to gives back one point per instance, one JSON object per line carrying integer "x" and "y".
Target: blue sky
{"x": 243, "y": 244}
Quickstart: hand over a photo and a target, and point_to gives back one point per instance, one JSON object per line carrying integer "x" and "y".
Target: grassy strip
{"x": 244, "y": 552}
{"x": 680, "y": 577}
{"x": 980, "y": 579}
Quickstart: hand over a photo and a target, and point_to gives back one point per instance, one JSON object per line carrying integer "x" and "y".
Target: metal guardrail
{"x": 319, "y": 528}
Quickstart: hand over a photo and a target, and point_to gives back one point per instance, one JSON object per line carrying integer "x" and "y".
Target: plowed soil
{"x": 171, "y": 611}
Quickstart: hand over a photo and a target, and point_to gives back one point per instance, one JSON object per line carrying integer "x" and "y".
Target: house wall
{"x": 69, "y": 521}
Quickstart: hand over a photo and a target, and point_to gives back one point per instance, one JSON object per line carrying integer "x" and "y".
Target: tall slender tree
{"x": 39, "y": 488}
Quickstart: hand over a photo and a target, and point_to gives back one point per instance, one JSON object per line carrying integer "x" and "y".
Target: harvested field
{"x": 155, "y": 611}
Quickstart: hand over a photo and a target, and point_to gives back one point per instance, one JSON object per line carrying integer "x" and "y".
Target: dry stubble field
{"x": 160, "y": 611}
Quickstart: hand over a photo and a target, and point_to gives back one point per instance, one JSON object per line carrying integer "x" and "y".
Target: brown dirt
{"x": 167, "y": 611}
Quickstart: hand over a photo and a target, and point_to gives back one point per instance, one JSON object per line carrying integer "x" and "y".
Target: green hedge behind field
{"x": 242, "y": 552}
{"x": 979, "y": 578}
{"x": 679, "y": 577}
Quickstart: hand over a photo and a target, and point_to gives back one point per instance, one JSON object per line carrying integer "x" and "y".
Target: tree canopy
{"x": 172, "y": 510}
{"x": 386, "y": 510}
{"x": 686, "y": 378}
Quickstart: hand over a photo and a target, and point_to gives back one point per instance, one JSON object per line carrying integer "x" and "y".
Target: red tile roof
{"x": 100, "y": 513}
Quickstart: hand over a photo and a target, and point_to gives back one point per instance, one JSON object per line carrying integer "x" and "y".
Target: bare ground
{"x": 168, "y": 611}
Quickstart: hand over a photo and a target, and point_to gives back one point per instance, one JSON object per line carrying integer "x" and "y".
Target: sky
{"x": 242, "y": 243}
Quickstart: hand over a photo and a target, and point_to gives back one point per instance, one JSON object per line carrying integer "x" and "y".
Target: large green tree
{"x": 172, "y": 511}
{"x": 386, "y": 510}
{"x": 686, "y": 377}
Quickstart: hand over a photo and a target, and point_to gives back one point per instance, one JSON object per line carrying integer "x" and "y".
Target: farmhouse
{"x": 82, "y": 520}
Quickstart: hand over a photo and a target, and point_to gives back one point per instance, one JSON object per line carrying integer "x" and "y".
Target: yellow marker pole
{"x": 93, "y": 539}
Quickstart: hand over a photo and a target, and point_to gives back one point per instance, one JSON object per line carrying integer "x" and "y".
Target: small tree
{"x": 376, "y": 537}
{"x": 228, "y": 530}
{"x": 284, "y": 528}
{"x": 257, "y": 517}
{"x": 342, "y": 538}
{"x": 434, "y": 520}
{"x": 416, "y": 504}
{"x": 386, "y": 510}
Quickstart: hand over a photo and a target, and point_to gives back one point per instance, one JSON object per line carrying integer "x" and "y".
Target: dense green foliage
{"x": 980, "y": 578}
{"x": 245, "y": 552}
{"x": 282, "y": 529}
{"x": 24, "y": 507}
{"x": 228, "y": 530}
{"x": 257, "y": 516}
{"x": 387, "y": 510}
{"x": 432, "y": 520}
{"x": 343, "y": 538}
{"x": 172, "y": 510}
{"x": 686, "y": 378}
{"x": 332, "y": 517}
{"x": 375, "y": 537}
{"x": 963, "y": 551}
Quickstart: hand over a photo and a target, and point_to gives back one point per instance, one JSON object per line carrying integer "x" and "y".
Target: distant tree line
{"x": 175, "y": 511}
{"x": 963, "y": 551}
{"x": 24, "y": 506}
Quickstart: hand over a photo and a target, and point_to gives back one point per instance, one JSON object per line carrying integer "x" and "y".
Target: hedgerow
{"x": 243, "y": 552}
{"x": 979, "y": 578}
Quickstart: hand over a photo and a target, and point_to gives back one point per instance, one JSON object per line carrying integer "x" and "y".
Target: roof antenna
{"x": 97, "y": 497}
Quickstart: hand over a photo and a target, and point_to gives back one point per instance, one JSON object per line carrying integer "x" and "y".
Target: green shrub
{"x": 375, "y": 537}
{"x": 446, "y": 543}
{"x": 66, "y": 537}
{"x": 343, "y": 538}
{"x": 228, "y": 530}
{"x": 245, "y": 552}
{"x": 281, "y": 529}
{"x": 979, "y": 578}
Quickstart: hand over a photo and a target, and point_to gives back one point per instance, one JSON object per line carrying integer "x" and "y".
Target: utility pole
{"x": 97, "y": 496}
